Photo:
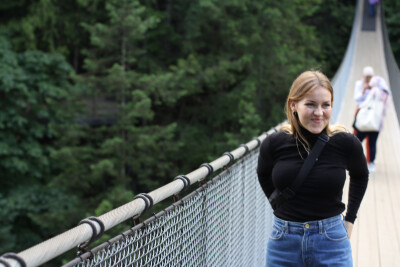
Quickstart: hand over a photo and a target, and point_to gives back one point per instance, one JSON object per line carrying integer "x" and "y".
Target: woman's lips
{"x": 317, "y": 120}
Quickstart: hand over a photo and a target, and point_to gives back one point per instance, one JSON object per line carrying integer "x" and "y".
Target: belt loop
{"x": 286, "y": 227}
{"x": 320, "y": 226}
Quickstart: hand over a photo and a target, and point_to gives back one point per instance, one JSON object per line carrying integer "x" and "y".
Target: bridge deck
{"x": 376, "y": 235}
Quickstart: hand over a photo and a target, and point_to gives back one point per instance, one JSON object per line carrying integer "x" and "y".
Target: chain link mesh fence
{"x": 225, "y": 222}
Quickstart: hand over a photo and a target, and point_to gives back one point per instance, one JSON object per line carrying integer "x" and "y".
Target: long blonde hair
{"x": 301, "y": 86}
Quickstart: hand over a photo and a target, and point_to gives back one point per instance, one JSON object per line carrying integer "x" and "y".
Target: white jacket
{"x": 378, "y": 89}
{"x": 376, "y": 81}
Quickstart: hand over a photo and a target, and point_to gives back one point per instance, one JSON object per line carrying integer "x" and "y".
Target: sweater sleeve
{"x": 359, "y": 97}
{"x": 358, "y": 171}
{"x": 264, "y": 167}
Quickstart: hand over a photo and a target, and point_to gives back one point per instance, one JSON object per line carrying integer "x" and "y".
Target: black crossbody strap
{"x": 309, "y": 162}
{"x": 278, "y": 197}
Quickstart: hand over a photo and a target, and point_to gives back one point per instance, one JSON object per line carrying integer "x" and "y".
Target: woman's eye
{"x": 309, "y": 105}
{"x": 327, "y": 105}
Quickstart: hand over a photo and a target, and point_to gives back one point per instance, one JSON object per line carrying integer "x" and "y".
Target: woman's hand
{"x": 365, "y": 87}
{"x": 349, "y": 227}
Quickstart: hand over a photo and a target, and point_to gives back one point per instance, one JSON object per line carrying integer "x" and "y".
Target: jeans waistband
{"x": 312, "y": 226}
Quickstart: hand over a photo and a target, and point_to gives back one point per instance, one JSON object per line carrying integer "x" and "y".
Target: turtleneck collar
{"x": 310, "y": 137}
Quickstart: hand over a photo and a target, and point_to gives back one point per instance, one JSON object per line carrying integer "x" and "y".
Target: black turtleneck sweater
{"x": 320, "y": 196}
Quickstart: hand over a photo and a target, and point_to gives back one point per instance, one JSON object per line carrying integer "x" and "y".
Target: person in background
{"x": 308, "y": 229}
{"x": 362, "y": 90}
{"x": 372, "y": 7}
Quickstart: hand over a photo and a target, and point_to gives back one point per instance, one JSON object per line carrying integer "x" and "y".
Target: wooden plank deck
{"x": 376, "y": 234}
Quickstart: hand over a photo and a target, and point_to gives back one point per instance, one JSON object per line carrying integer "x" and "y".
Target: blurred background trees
{"x": 392, "y": 16}
{"x": 104, "y": 99}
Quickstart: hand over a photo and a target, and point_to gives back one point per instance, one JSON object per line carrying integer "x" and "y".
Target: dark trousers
{"x": 372, "y": 10}
{"x": 371, "y": 143}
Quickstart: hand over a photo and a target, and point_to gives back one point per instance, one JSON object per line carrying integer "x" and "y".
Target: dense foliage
{"x": 103, "y": 99}
{"x": 34, "y": 90}
{"x": 392, "y": 15}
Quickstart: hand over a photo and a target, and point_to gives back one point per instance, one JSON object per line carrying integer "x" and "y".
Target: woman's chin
{"x": 316, "y": 130}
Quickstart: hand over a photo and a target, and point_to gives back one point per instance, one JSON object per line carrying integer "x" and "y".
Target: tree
{"x": 332, "y": 21}
{"x": 51, "y": 25}
{"x": 392, "y": 15}
{"x": 34, "y": 88}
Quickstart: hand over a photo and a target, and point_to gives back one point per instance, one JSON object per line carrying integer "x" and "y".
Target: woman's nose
{"x": 318, "y": 111}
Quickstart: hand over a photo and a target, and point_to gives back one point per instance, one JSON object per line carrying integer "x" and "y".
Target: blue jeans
{"x": 314, "y": 243}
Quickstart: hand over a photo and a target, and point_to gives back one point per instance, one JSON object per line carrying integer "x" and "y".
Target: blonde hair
{"x": 301, "y": 86}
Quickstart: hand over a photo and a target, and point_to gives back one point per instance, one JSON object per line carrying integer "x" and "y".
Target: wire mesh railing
{"x": 223, "y": 223}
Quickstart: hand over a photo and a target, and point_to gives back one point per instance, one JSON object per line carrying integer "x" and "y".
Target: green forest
{"x": 104, "y": 99}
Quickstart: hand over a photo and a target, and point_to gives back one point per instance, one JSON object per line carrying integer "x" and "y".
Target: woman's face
{"x": 314, "y": 110}
{"x": 367, "y": 79}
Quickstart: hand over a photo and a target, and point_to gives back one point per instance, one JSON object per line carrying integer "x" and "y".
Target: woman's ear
{"x": 292, "y": 106}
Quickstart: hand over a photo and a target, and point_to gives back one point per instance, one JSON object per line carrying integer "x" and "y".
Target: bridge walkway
{"x": 376, "y": 235}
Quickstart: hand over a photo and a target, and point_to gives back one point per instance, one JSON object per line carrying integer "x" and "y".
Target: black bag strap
{"x": 277, "y": 198}
{"x": 310, "y": 161}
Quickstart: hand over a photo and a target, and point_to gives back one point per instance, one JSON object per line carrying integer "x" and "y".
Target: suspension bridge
{"x": 227, "y": 219}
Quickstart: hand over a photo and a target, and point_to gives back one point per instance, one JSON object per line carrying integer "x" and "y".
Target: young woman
{"x": 368, "y": 87}
{"x": 308, "y": 229}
